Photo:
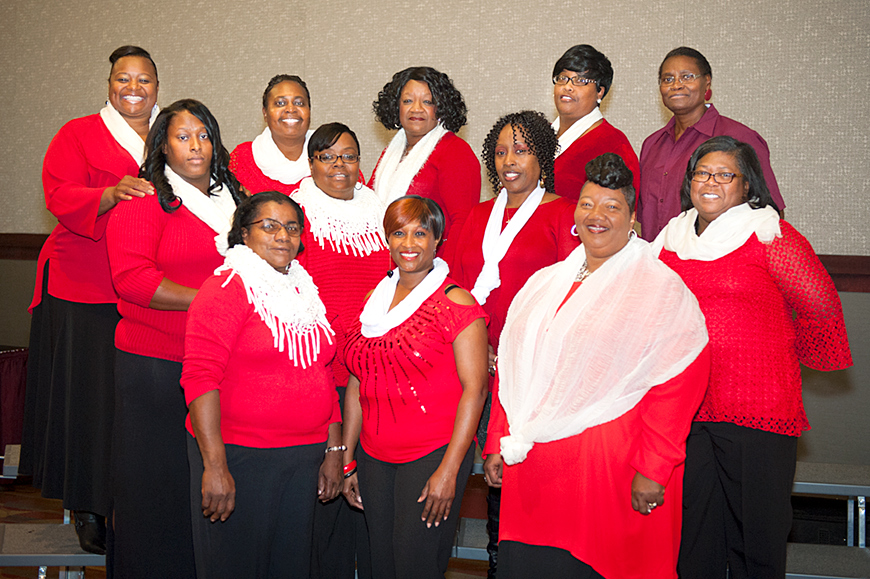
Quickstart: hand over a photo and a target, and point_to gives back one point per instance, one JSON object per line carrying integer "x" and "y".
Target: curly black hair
{"x": 611, "y": 172}
{"x": 449, "y": 104}
{"x": 155, "y": 158}
{"x": 538, "y": 134}
{"x": 130, "y": 50}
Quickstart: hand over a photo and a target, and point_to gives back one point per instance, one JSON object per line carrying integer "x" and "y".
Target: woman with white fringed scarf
{"x": 426, "y": 157}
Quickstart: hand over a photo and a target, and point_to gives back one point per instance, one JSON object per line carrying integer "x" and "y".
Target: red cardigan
{"x": 266, "y": 400}
{"x": 451, "y": 178}
{"x": 146, "y": 244}
{"x": 82, "y": 160}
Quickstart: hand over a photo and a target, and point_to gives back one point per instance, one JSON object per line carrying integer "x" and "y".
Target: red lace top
{"x": 748, "y": 297}
{"x": 409, "y": 385}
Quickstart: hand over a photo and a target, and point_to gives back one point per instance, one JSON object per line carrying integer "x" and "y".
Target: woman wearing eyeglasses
{"x": 685, "y": 81}
{"x": 346, "y": 254}
{"x": 263, "y": 407}
{"x": 750, "y": 271}
{"x": 582, "y": 77}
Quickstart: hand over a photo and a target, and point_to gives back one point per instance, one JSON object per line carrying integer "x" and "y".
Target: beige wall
{"x": 797, "y": 72}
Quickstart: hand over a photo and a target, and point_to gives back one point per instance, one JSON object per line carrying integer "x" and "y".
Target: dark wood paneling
{"x": 21, "y": 245}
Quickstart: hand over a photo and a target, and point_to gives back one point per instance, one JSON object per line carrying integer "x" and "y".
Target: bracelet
{"x": 334, "y": 448}
{"x": 351, "y": 466}
{"x": 350, "y": 473}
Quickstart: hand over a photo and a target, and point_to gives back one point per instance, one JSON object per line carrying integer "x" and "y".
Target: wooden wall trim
{"x": 24, "y": 246}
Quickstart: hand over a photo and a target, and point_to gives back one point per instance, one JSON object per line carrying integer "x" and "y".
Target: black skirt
{"x": 69, "y": 401}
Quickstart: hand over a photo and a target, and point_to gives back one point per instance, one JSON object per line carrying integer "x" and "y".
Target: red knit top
{"x": 747, "y": 298}
{"x": 82, "y": 160}
{"x": 266, "y": 400}
{"x": 451, "y": 178}
{"x": 245, "y": 169}
{"x": 146, "y": 244}
{"x": 409, "y": 384}
{"x": 570, "y": 167}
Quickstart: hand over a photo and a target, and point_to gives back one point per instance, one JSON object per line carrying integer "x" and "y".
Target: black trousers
{"x": 268, "y": 535}
{"x": 736, "y": 502}
{"x": 402, "y": 547}
{"x": 522, "y": 561}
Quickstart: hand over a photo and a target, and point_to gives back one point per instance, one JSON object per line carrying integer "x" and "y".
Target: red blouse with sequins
{"x": 409, "y": 385}
{"x": 748, "y": 297}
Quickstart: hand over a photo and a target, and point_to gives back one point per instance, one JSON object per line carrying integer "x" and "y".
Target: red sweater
{"x": 747, "y": 298}
{"x": 451, "y": 178}
{"x": 82, "y": 160}
{"x": 570, "y": 166}
{"x": 409, "y": 385}
{"x": 266, "y": 400}
{"x": 245, "y": 169}
{"x": 146, "y": 244}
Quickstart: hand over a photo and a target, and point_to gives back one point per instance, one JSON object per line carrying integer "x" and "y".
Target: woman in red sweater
{"x": 161, "y": 250}
{"x": 750, "y": 271}
{"x": 258, "y": 380}
{"x": 89, "y": 168}
{"x": 418, "y": 359}
{"x": 426, "y": 157}
{"x": 276, "y": 160}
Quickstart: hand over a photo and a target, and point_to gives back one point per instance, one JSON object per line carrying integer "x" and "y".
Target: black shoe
{"x": 91, "y": 529}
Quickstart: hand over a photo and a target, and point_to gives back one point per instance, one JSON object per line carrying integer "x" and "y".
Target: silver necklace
{"x": 583, "y": 273}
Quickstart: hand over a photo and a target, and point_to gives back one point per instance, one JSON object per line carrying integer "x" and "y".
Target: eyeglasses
{"x": 562, "y": 80}
{"x": 685, "y": 78}
{"x": 721, "y": 178}
{"x": 329, "y": 158}
{"x": 272, "y": 227}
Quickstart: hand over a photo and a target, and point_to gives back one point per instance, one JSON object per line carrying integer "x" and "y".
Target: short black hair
{"x": 249, "y": 208}
{"x": 409, "y": 208}
{"x": 326, "y": 136}
{"x": 611, "y": 172}
{"x": 449, "y": 104}
{"x": 130, "y": 50}
{"x": 155, "y": 158}
{"x": 584, "y": 59}
{"x": 699, "y": 59}
{"x": 538, "y": 134}
{"x": 278, "y": 79}
{"x": 758, "y": 195}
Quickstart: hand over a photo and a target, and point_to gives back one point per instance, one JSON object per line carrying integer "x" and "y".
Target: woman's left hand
{"x": 438, "y": 493}
{"x": 646, "y": 494}
{"x": 331, "y": 478}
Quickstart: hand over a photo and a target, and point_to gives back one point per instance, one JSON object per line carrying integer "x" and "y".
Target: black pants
{"x": 736, "y": 502}
{"x": 402, "y": 547}
{"x": 522, "y": 561}
{"x": 268, "y": 535}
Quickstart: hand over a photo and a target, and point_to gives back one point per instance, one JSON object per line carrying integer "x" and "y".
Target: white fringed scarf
{"x": 723, "y": 235}
{"x": 215, "y": 210}
{"x": 631, "y": 325}
{"x": 352, "y": 226}
{"x": 496, "y": 242}
{"x": 573, "y": 132}
{"x": 377, "y": 318}
{"x": 124, "y": 134}
{"x": 395, "y": 174}
{"x": 274, "y": 165}
{"x": 289, "y": 304}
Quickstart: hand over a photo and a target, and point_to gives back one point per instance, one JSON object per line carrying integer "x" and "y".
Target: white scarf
{"x": 215, "y": 210}
{"x": 377, "y": 318}
{"x": 496, "y": 242}
{"x": 573, "y": 132}
{"x": 352, "y": 226}
{"x": 124, "y": 134}
{"x": 631, "y": 325}
{"x": 288, "y": 304}
{"x": 395, "y": 173}
{"x": 723, "y": 235}
{"x": 274, "y": 164}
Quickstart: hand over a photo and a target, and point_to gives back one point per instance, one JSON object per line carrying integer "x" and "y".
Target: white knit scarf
{"x": 723, "y": 235}
{"x": 352, "y": 226}
{"x": 573, "y": 132}
{"x": 377, "y": 318}
{"x": 215, "y": 210}
{"x": 496, "y": 242}
{"x": 631, "y": 325}
{"x": 124, "y": 134}
{"x": 272, "y": 162}
{"x": 395, "y": 174}
{"x": 288, "y": 304}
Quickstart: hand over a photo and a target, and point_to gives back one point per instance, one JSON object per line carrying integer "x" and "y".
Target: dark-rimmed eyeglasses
{"x": 684, "y": 78}
{"x": 721, "y": 178}
{"x": 273, "y": 226}
{"x": 329, "y": 158}
{"x": 562, "y": 80}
